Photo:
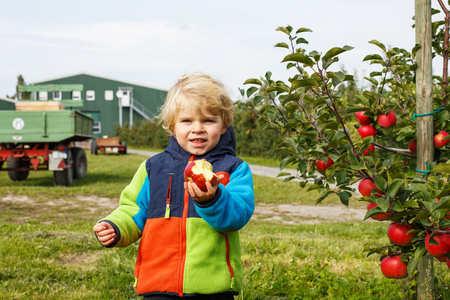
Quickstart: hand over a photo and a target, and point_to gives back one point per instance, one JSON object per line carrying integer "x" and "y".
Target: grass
{"x": 48, "y": 250}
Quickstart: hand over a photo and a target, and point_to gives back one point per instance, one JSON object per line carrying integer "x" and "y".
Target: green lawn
{"x": 48, "y": 250}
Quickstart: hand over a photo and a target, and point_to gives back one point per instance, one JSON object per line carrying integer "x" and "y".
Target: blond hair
{"x": 202, "y": 91}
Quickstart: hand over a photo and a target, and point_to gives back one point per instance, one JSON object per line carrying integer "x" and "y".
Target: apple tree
{"x": 364, "y": 146}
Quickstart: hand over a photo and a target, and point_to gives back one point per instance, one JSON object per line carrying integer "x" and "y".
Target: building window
{"x": 57, "y": 95}
{"x": 109, "y": 95}
{"x": 76, "y": 95}
{"x": 97, "y": 127}
{"x": 43, "y": 95}
{"x": 90, "y": 95}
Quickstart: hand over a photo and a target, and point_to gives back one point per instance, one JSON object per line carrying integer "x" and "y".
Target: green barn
{"x": 108, "y": 101}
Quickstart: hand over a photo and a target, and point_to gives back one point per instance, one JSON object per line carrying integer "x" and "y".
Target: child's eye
{"x": 185, "y": 121}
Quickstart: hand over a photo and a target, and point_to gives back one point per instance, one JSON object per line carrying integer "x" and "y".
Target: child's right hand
{"x": 105, "y": 233}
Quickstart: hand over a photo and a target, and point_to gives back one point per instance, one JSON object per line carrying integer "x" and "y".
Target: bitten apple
{"x": 438, "y": 142}
{"x": 322, "y": 166}
{"x": 393, "y": 267}
{"x": 398, "y": 233}
{"x": 387, "y": 120}
{"x": 199, "y": 172}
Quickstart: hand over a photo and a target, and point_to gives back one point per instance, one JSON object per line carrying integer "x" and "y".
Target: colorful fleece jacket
{"x": 186, "y": 247}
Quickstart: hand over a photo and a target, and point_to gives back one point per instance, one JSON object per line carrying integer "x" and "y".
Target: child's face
{"x": 197, "y": 130}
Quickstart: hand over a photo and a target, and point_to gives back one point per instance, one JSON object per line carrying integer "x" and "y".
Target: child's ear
{"x": 224, "y": 130}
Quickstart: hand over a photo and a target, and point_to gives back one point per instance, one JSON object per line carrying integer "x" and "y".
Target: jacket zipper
{"x": 230, "y": 267}
{"x": 169, "y": 188}
{"x": 183, "y": 239}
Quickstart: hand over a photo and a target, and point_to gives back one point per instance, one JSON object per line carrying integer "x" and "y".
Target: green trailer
{"x": 41, "y": 135}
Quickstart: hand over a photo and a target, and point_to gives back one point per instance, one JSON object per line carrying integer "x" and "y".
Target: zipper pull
{"x": 135, "y": 282}
{"x": 231, "y": 285}
{"x": 167, "y": 216}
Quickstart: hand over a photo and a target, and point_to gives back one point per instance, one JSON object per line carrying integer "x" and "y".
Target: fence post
{"x": 424, "y": 105}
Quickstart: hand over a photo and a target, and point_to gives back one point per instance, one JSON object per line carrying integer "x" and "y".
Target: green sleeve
{"x": 132, "y": 209}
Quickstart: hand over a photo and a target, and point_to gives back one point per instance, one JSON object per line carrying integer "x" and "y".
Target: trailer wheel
{"x": 124, "y": 151}
{"x": 79, "y": 162}
{"x": 12, "y": 163}
{"x": 94, "y": 147}
{"x": 64, "y": 177}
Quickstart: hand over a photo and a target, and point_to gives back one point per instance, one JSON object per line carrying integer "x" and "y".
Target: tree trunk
{"x": 425, "y": 146}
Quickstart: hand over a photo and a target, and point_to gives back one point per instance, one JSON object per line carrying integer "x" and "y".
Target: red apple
{"x": 441, "y": 259}
{"x": 393, "y": 267}
{"x": 369, "y": 150}
{"x": 387, "y": 120}
{"x": 438, "y": 142}
{"x": 398, "y": 233}
{"x": 367, "y": 130}
{"x": 199, "y": 172}
{"x": 443, "y": 239}
{"x": 362, "y": 119}
{"x": 366, "y": 186}
{"x": 413, "y": 146}
{"x": 379, "y": 217}
{"x": 322, "y": 166}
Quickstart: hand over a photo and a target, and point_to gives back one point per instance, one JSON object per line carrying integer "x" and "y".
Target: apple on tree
{"x": 412, "y": 146}
{"x": 322, "y": 166}
{"x": 362, "y": 119}
{"x": 387, "y": 120}
{"x": 199, "y": 172}
{"x": 393, "y": 267}
{"x": 438, "y": 139}
{"x": 366, "y": 186}
{"x": 443, "y": 249}
{"x": 367, "y": 130}
{"x": 398, "y": 233}
{"x": 379, "y": 217}
{"x": 369, "y": 149}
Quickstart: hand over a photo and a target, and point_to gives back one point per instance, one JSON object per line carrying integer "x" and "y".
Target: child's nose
{"x": 197, "y": 127}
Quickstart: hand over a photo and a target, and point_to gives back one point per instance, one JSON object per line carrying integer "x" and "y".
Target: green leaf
{"x": 284, "y": 29}
{"x": 334, "y": 52}
{"x": 301, "y": 41}
{"x": 442, "y": 168}
{"x": 299, "y": 57}
{"x": 394, "y": 187}
{"x": 251, "y": 91}
{"x": 303, "y": 29}
{"x": 344, "y": 196}
{"x": 300, "y": 83}
{"x": 354, "y": 134}
{"x": 323, "y": 196}
{"x": 380, "y": 182}
{"x": 377, "y": 43}
{"x": 253, "y": 81}
{"x": 372, "y": 57}
{"x": 282, "y": 45}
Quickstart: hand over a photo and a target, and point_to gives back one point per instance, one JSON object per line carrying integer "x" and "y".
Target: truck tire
{"x": 94, "y": 147}
{"x": 124, "y": 151}
{"x": 64, "y": 177}
{"x": 79, "y": 162}
{"x": 13, "y": 162}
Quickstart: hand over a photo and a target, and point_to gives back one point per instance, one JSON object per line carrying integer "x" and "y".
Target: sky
{"x": 153, "y": 43}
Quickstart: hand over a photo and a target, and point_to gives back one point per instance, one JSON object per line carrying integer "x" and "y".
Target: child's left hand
{"x": 198, "y": 194}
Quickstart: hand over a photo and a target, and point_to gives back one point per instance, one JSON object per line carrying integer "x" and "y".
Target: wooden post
{"x": 425, "y": 146}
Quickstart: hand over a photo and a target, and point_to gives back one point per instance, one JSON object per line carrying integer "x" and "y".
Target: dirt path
{"x": 289, "y": 214}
